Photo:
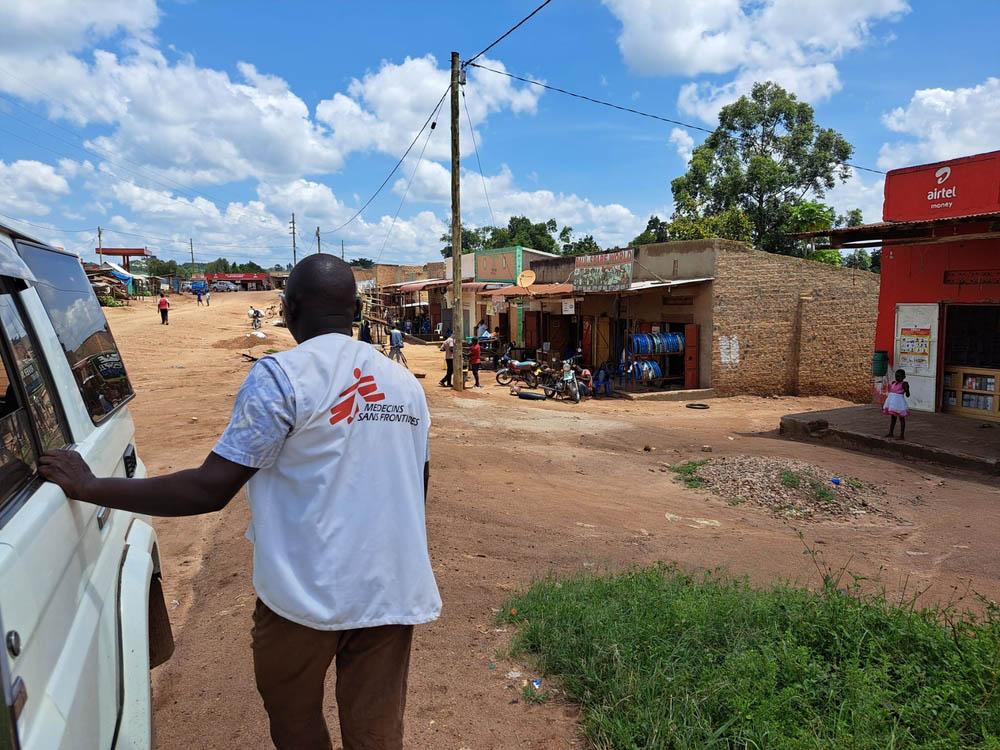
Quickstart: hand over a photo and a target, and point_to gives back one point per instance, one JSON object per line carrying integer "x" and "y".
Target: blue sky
{"x": 161, "y": 121}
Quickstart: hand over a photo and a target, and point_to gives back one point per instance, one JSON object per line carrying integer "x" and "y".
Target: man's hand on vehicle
{"x": 67, "y": 469}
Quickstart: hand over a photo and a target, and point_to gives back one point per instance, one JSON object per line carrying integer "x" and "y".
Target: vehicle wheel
{"x": 574, "y": 393}
{"x": 504, "y": 377}
{"x": 549, "y": 391}
{"x": 530, "y": 380}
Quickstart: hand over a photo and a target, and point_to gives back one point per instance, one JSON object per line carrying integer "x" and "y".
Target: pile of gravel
{"x": 783, "y": 486}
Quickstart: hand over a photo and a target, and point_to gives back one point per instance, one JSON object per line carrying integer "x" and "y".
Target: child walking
{"x": 895, "y": 405}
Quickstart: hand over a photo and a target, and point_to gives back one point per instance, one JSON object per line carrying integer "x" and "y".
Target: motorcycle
{"x": 562, "y": 383}
{"x": 256, "y": 317}
{"x": 513, "y": 371}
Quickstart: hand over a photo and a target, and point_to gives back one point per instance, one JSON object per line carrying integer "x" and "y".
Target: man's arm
{"x": 207, "y": 489}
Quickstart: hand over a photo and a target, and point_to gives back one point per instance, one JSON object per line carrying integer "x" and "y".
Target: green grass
{"x": 822, "y": 493}
{"x": 658, "y": 659}
{"x": 688, "y": 473}
{"x": 790, "y": 479}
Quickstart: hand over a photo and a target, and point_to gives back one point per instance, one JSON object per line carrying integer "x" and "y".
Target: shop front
{"x": 939, "y": 299}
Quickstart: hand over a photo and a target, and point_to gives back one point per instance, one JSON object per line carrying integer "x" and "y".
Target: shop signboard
{"x": 916, "y": 351}
{"x": 500, "y": 266}
{"x": 607, "y": 272}
{"x": 568, "y": 307}
{"x": 972, "y": 277}
{"x": 942, "y": 190}
{"x": 499, "y": 304}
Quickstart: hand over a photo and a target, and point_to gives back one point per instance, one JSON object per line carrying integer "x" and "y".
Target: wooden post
{"x": 458, "y": 381}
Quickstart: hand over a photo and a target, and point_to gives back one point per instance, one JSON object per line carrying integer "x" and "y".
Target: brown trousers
{"x": 290, "y": 665}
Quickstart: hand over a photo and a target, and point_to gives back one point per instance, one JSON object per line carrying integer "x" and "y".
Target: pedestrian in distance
{"x": 198, "y": 293}
{"x": 342, "y": 575}
{"x": 895, "y": 406}
{"x": 396, "y": 346}
{"x": 163, "y": 305}
{"x": 448, "y": 347}
{"x": 208, "y": 298}
{"x": 365, "y": 332}
{"x": 482, "y": 330}
{"x": 475, "y": 359}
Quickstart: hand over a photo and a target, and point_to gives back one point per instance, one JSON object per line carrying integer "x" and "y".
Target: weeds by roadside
{"x": 660, "y": 659}
{"x": 687, "y": 472}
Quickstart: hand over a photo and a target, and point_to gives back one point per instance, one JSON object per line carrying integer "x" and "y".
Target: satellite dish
{"x": 526, "y": 279}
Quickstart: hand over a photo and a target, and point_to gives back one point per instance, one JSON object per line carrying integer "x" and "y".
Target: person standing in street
{"x": 475, "y": 358}
{"x": 198, "y": 293}
{"x": 340, "y": 562}
{"x": 163, "y": 305}
{"x": 208, "y": 298}
{"x": 448, "y": 347}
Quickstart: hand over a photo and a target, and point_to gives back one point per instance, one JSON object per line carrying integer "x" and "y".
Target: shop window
{"x": 82, "y": 329}
{"x": 972, "y": 336}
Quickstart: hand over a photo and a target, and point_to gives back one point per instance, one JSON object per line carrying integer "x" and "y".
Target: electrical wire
{"x": 407, "y": 190}
{"x": 621, "y": 108}
{"x": 392, "y": 171}
{"x": 478, "y": 160}
{"x": 506, "y": 34}
{"x": 48, "y": 229}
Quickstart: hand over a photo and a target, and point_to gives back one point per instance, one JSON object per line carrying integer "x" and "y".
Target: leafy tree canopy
{"x": 765, "y": 157}
{"x": 521, "y": 230}
{"x": 730, "y": 224}
{"x": 362, "y": 262}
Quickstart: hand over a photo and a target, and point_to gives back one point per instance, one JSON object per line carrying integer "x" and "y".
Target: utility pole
{"x": 100, "y": 245}
{"x": 191, "y": 245}
{"x": 294, "y": 260}
{"x": 342, "y": 250}
{"x": 319, "y": 249}
{"x": 458, "y": 381}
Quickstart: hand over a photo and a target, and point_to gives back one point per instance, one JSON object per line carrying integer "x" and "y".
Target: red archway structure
{"x": 125, "y": 253}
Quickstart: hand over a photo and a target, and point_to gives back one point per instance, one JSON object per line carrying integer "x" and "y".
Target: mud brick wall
{"x": 788, "y": 326}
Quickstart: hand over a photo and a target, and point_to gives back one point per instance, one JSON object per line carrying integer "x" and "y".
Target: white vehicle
{"x": 224, "y": 286}
{"x": 81, "y": 606}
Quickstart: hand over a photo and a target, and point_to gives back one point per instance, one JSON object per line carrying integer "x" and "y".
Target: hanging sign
{"x": 568, "y": 307}
{"x": 499, "y": 304}
{"x": 607, "y": 272}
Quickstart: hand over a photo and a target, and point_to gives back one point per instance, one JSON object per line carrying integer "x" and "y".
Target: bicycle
{"x": 396, "y": 355}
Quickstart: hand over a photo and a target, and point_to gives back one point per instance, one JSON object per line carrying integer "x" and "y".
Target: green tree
{"x": 472, "y": 240}
{"x": 730, "y": 224}
{"x": 586, "y": 245}
{"x": 876, "y": 257}
{"x": 520, "y": 230}
{"x": 367, "y": 262}
{"x": 853, "y": 218}
{"x": 829, "y": 255}
{"x": 219, "y": 265}
{"x": 860, "y": 259}
{"x": 767, "y": 155}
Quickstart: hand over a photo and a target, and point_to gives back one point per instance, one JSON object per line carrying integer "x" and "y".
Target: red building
{"x": 939, "y": 301}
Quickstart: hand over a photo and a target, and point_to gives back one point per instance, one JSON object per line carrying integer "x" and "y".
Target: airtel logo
{"x": 940, "y": 193}
{"x": 942, "y": 175}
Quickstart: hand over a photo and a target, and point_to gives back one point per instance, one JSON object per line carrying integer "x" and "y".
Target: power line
{"x": 506, "y": 34}
{"x": 620, "y": 107}
{"x": 396, "y": 167}
{"x": 478, "y": 160}
{"x": 409, "y": 182}
{"x": 49, "y": 229}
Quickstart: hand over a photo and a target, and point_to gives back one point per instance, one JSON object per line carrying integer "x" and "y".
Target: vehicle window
{"x": 29, "y": 365}
{"x": 17, "y": 450}
{"x": 82, "y": 329}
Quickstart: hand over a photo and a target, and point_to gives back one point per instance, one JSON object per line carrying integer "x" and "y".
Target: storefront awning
{"x": 418, "y": 286}
{"x": 535, "y": 290}
{"x": 959, "y": 229}
{"x": 642, "y": 286}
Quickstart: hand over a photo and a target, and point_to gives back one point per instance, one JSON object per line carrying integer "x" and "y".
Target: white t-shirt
{"x": 339, "y": 434}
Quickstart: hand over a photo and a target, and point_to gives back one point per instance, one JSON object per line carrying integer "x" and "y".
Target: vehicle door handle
{"x": 20, "y": 695}
{"x": 102, "y": 517}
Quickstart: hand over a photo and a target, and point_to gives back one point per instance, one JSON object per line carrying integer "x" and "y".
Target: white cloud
{"x": 791, "y": 42}
{"x": 864, "y": 191}
{"x": 944, "y": 123}
{"x": 30, "y": 187}
{"x": 684, "y": 143}
{"x": 33, "y": 26}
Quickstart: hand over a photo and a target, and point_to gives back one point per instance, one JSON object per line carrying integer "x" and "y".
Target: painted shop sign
{"x": 607, "y": 272}
{"x": 972, "y": 277}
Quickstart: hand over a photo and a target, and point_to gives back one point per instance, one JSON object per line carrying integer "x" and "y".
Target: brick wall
{"x": 785, "y": 325}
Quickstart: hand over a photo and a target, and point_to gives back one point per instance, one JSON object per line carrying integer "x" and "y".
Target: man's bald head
{"x": 320, "y": 297}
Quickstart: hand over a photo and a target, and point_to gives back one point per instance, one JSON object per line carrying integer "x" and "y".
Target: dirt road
{"x": 519, "y": 489}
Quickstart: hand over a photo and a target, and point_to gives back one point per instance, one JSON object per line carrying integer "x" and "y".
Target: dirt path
{"x": 519, "y": 489}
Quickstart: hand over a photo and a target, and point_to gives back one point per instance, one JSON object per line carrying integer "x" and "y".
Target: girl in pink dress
{"x": 895, "y": 404}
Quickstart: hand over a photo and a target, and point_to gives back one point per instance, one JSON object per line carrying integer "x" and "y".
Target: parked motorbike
{"x": 513, "y": 371}
{"x": 562, "y": 383}
{"x": 256, "y": 318}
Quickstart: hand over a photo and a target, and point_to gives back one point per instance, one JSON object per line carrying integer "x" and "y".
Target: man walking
{"x": 448, "y": 347}
{"x": 208, "y": 298}
{"x": 198, "y": 293}
{"x": 341, "y": 566}
{"x": 396, "y": 346}
{"x": 164, "y": 307}
{"x": 475, "y": 358}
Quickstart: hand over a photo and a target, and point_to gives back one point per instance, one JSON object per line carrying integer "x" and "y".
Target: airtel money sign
{"x": 970, "y": 185}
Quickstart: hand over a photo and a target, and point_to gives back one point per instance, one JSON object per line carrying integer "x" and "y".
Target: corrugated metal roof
{"x": 900, "y": 225}
{"x": 535, "y": 290}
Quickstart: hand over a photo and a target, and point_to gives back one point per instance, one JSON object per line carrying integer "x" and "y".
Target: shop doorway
{"x": 917, "y": 352}
{"x": 971, "y": 381}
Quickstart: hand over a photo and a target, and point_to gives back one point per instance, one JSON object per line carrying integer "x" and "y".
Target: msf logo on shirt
{"x": 364, "y": 388}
